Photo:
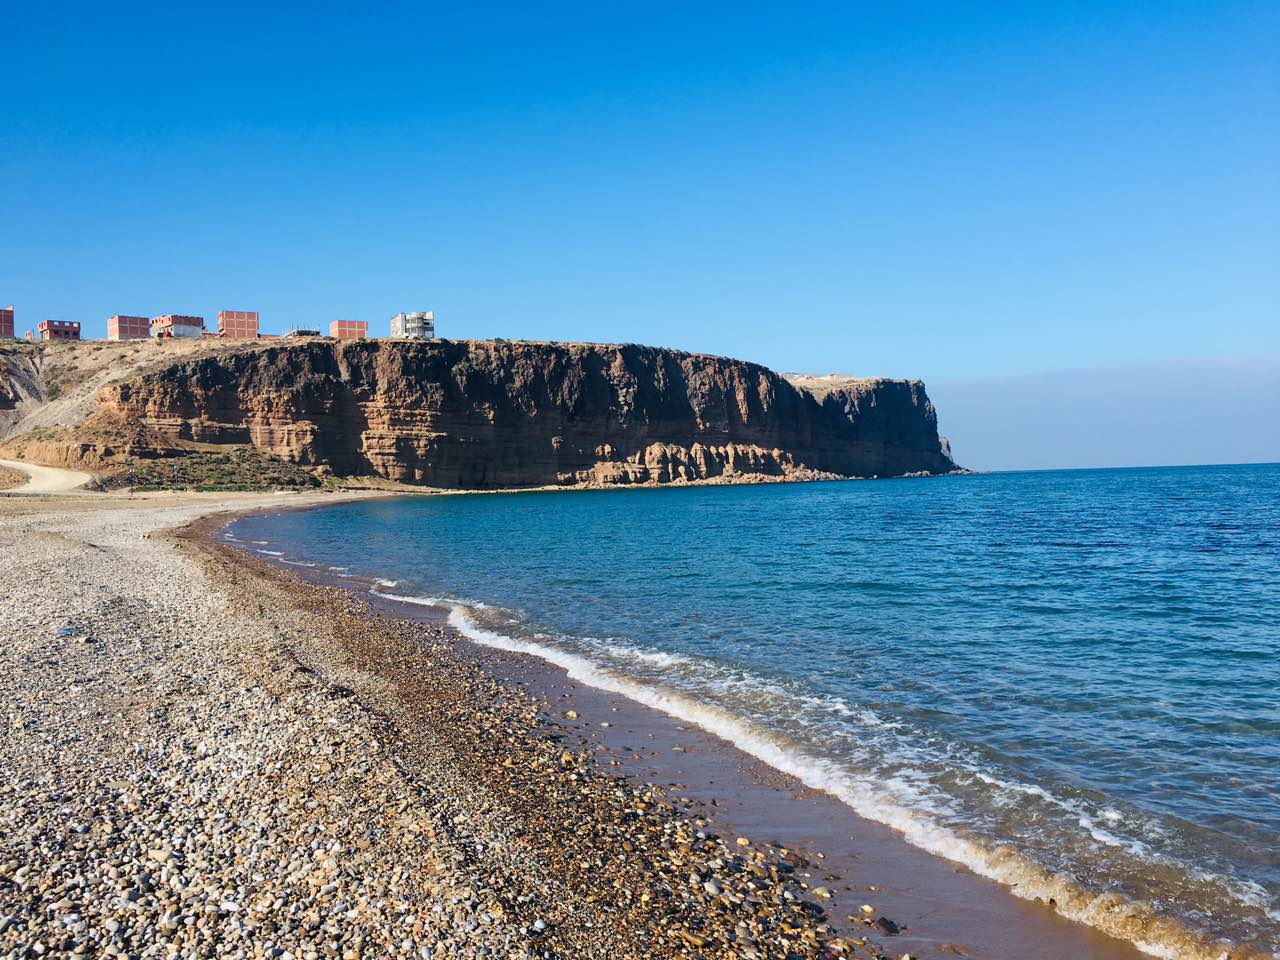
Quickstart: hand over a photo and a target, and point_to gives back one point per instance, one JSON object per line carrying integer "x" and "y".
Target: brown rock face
{"x": 497, "y": 414}
{"x": 19, "y": 386}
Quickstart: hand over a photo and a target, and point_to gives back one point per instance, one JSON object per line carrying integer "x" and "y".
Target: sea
{"x": 1068, "y": 681}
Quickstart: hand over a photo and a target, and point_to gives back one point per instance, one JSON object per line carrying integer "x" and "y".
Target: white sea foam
{"x": 298, "y": 563}
{"x": 655, "y": 657}
{"x": 270, "y": 553}
{"x": 416, "y": 601}
{"x": 448, "y": 603}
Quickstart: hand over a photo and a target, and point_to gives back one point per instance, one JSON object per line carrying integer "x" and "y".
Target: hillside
{"x": 470, "y": 414}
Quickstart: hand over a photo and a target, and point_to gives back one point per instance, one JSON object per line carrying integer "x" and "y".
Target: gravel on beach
{"x": 203, "y": 756}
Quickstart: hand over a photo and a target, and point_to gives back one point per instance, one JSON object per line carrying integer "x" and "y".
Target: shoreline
{"x": 207, "y": 755}
{"x": 450, "y": 780}
{"x": 382, "y": 649}
{"x": 941, "y": 908}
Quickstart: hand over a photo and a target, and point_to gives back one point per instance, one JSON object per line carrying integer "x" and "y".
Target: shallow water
{"x": 1068, "y": 681}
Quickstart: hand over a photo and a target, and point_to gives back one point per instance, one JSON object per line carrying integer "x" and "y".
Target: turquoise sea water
{"x": 1069, "y": 681}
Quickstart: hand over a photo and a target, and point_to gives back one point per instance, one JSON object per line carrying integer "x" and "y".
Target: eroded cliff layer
{"x": 495, "y": 414}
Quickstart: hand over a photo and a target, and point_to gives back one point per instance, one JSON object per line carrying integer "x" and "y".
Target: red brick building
{"x": 6, "y": 323}
{"x": 58, "y": 330}
{"x": 238, "y": 324}
{"x": 128, "y": 328}
{"x": 349, "y": 329}
{"x": 176, "y": 325}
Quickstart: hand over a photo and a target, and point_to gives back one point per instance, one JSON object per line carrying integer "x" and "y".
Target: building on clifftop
{"x": 6, "y": 323}
{"x": 238, "y": 324}
{"x": 414, "y": 326}
{"x": 175, "y": 325}
{"x": 349, "y": 329}
{"x": 128, "y": 328}
{"x": 58, "y": 330}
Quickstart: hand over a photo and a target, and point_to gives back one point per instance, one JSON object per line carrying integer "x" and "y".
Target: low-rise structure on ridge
{"x": 232, "y": 324}
{"x": 120, "y": 327}
{"x": 176, "y": 325}
{"x": 349, "y": 329}
{"x": 414, "y": 326}
{"x": 239, "y": 324}
{"x": 58, "y": 330}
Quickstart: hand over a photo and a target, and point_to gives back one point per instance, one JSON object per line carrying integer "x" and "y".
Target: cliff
{"x": 482, "y": 414}
{"x": 20, "y": 386}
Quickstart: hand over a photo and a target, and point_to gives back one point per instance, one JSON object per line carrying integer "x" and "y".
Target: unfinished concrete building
{"x": 176, "y": 325}
{"x": 120, "y": 327}
{"x": 414, "y": 326}
{"x": 58, "y": 330}
{"x": 349, "y": 329}
{"x": 238, "y": 324}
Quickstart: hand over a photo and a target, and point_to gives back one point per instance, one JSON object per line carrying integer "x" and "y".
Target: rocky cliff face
{"x": 20, "y": 386}
{"x": 487, "y": 414}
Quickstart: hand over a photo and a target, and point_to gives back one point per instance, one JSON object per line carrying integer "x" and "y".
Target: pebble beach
{"x": 204, "y": 756}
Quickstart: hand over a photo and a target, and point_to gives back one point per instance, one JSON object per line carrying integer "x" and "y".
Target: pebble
{"x": 206, "y": 779}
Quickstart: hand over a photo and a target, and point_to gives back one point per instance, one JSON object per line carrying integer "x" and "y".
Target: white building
{"x": 415, "y": 326}
{"x": 176, "y": 325}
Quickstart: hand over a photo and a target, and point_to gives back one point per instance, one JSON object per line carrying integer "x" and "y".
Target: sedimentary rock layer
{"x": 494, "y": 414}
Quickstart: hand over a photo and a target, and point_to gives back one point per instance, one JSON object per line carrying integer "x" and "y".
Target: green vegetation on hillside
{"x": 241, "y": 468}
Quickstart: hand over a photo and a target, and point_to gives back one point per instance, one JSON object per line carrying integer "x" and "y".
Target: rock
{"x": 519, "y": 414}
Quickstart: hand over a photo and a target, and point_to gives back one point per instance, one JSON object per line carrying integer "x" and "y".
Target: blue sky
{"x": 953, "y": 191}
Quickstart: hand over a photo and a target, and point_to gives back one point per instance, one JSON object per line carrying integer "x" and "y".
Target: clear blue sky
{"x": 941, "y": 190}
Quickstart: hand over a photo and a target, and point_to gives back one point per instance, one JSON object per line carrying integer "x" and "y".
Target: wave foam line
{"x": 446, "y": 603}
{"x": 1111, "y": 913}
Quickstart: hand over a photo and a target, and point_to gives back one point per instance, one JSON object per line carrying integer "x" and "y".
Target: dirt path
{"x": 45, "y": 479}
